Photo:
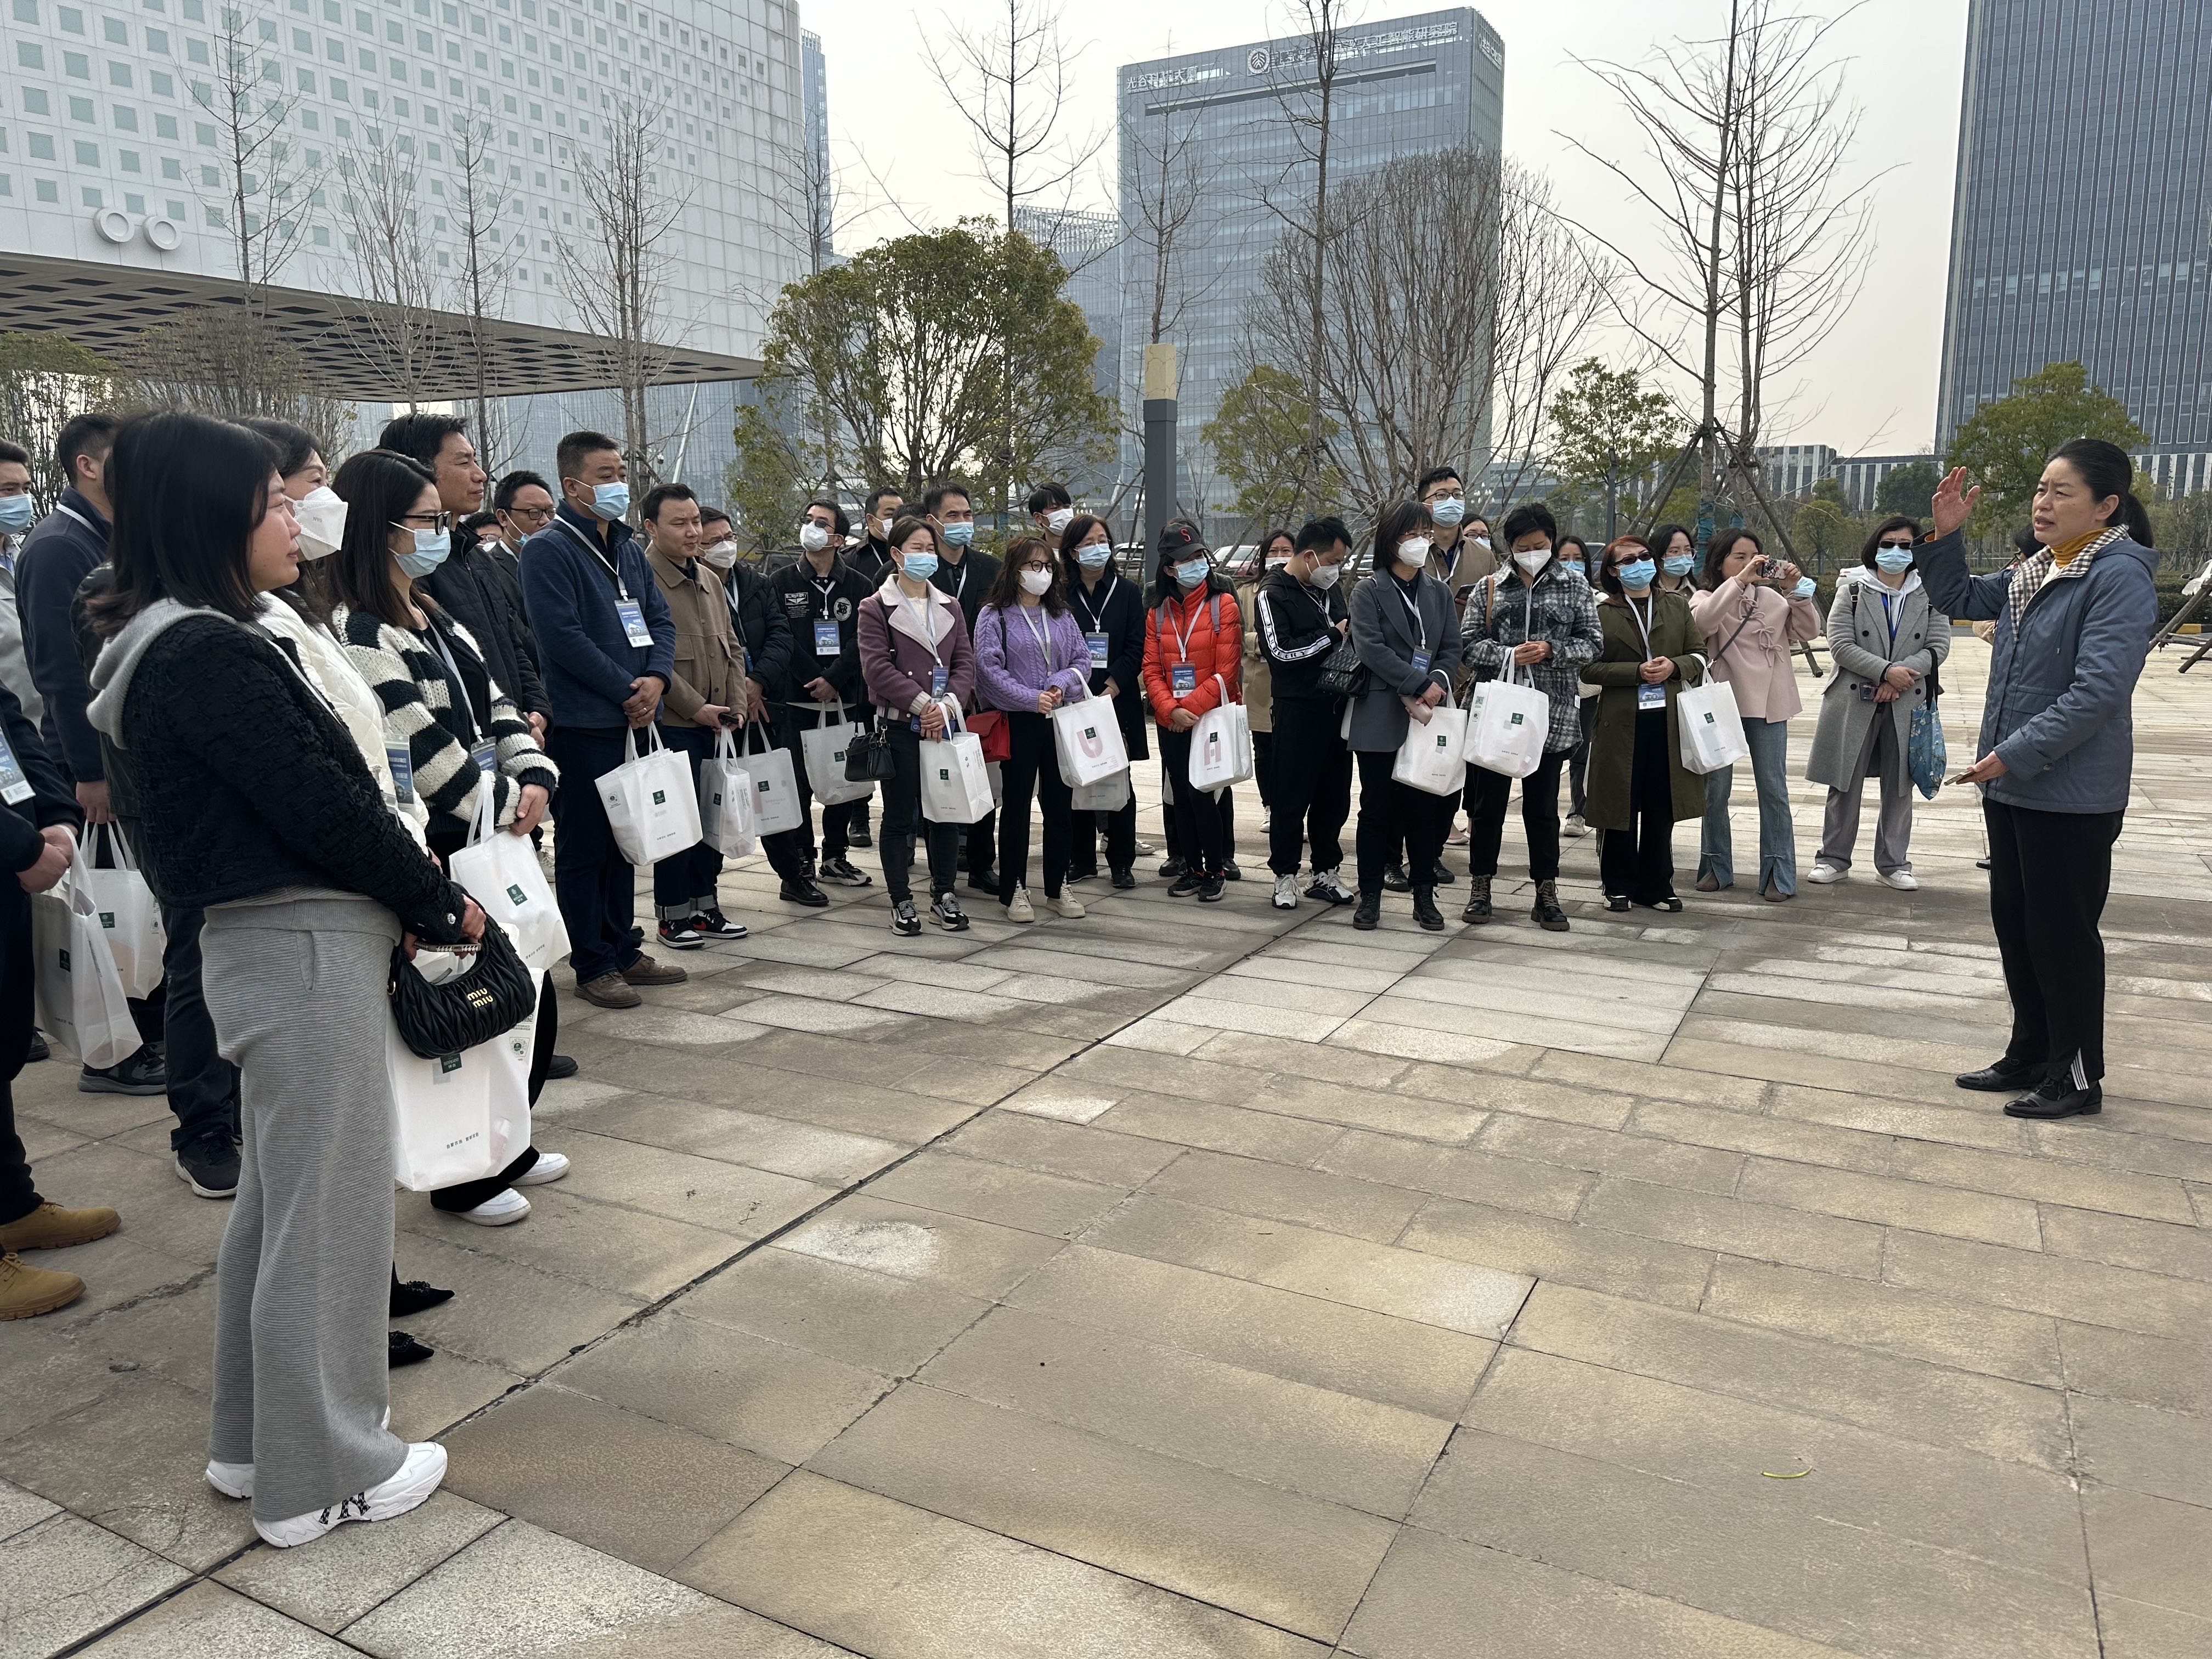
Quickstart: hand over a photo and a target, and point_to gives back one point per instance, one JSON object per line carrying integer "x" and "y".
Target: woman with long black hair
{"x": 2056, "y": 752}
{"x": 1111, "y": 611}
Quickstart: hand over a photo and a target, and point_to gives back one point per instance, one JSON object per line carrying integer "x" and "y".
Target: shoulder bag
{"x": 470, "y": 1008}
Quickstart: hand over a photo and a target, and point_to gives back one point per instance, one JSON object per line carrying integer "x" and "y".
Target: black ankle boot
{"x": 1547, "y": 914}
{"x": 1478, "y": 900}
{"x": 1368, "y": 915}
{"x": 1426, "y": 911}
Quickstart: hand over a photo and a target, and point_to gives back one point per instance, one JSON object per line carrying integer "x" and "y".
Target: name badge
{"x": 939, "y": 678}
{"x": 1184, "y": 679}
{"x": 485, "y": 754}
{"x": 1650, "y": 697}
{"x": 402, "y": 770}
{"x": 1097, "y": 644}
{"x": 1420, "y": 662}
{"x": 633, "y": 621}
{"x": 826, "y": 643}
{"x": 15, "y": 787}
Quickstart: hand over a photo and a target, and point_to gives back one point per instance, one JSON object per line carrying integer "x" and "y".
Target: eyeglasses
{"x": 530, "y": 515}
{"x": 1897, "y": 545}
{"x": 431, "y": 521}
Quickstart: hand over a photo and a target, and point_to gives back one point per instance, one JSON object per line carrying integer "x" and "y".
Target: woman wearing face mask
{"x": 1754, "y": 612}
{"x": 1888, "y": 640}
{"x": 1543, "y": 622}
{"x": 1574, "y": 558}
{"x": 1030, "y": 657}
{"x": 920, "y": 670}
{"x": 1676, "y": 552}
{"x": 1638, "y": 786}
{"x": 1408, "y": 639}
{"x": 1111, "y": 613}
{"x": 1194, "y": 658}
{"x": 1274, "y": 552}
{"x": 449, "y": 726}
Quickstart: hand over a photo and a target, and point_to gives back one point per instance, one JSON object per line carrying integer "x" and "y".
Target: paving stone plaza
{"x": 1178, "y": 1283}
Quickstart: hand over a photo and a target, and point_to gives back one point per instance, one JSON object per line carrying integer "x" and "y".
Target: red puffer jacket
{"x": 1208, "y": 619}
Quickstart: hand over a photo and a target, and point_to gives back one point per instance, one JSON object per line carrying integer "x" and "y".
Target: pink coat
{"x": 1756, "y": 662}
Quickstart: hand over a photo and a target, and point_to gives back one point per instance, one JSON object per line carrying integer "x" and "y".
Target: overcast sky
{"x": 1871, "y": 389}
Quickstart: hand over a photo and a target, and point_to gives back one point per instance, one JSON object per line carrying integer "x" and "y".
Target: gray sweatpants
{"x": 1883, "y": 757}
{"x": 296, "y": 989}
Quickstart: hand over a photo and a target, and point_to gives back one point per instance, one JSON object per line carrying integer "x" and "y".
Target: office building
{"x": 1794, "y": 468}
{"x": 1404, "y": 86}
{"x": 816, "y": 181}
{"x": 1861, "y": 476}
{"x": 115, "y": 201}
{"x": 1090, "y": 246}
{"x": 2078, "y": 227}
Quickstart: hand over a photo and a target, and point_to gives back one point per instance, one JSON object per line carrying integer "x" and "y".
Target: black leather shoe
{"x": 1125, "y": 877}
{"x": 406, "y": 1350}
{"x": 2056, "y": 1097}
{"x": 801, "y": 890}
{"x": 1394, "y": 878}
{"x": 1998, "y": 1079}
{"x": 1367, "y": 915}
{"x": 38, "y": 1050}
{"x": 560, "y": 1067}
{"x": 1478, "y": 901}
{"x": 1441, "y": 877}
{"x": 1547, "y": 912}
{"x": 1426, "y": 911}
{"x": 1172, "y": 868}
{"x": 412, "y": 1296}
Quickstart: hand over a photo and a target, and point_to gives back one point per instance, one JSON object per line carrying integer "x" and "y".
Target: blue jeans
{"x": 1769, "y": 742}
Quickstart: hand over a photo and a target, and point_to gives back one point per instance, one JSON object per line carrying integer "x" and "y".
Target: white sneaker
{"x": 1824, "y": 872}
{"x": 503, "y": 1208}
{"x": 414, "y": 1481}
{"x": 550, "y": 1166}
{"x": 1018, "y": 907}
{"x": 1900, "y": 879}
{"x": 1267, "y": 819}
{"x": 1144, "y": 849}
{"x": 1329, "y": 885}
{"x": 1064, "y": 904}
{"x": 1287, "y": 893}
{"x": 1574, "y": 827}
{"x": 236, "y": 1480}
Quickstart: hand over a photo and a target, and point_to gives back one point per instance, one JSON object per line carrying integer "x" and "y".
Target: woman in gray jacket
{"x": 1888, "y": 640}
{"x": 2056, "y": 752}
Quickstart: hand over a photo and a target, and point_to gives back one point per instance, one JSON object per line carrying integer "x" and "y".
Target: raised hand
{"x": 1954, "y": 503}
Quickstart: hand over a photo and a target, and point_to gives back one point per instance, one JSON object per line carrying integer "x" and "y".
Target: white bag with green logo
{"x": 955, "y": 784}
{"x": 500, "y": 872}
{"x": 80, "y": 998}
{"x": 824, "y": 745}
{"x": 129, "y": 913}
{"x": 775, "y": 786}
{"x": 725, "y": 800}
{"x": 1429, "y": 757}
{"x": 1506, "y": 727}
{"x": 1711, "y": 728}
{"x": 652, "y": 806}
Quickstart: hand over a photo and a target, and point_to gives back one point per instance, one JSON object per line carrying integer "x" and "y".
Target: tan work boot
{"x": 50, "y": 1227}
{"x": 27, "y": 1292}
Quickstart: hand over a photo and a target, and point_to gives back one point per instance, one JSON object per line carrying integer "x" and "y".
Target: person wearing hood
{"x": 253, "y": 805}
{"x": 2056, "y": 752}
{"x": 1301, "y": 619}
{"x": 1193, "y": 656}
{"x": 1887, "y": 640}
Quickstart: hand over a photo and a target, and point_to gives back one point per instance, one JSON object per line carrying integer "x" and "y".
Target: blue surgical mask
{"x": 1637, "y": 576}
{"x": 1807, "y": 587}
{"x": 919, "y": 567}
{"x": 1678, "y": 564}
{"x": 960, "y": 534}
{"x": 1191, "y": 572}
{"x": 1094, "y": 558}
{"x": 1450, "y": 510}
{"x": 1575, "y": 565}
{"x": 1893, "y": 559}
{"x": 431, "y": 548}
{"x": 610, "y": 500}
{"x": 16, "y": 513}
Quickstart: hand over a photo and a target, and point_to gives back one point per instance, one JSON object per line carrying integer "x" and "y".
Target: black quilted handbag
{"x": 868, "y": 757}
{"x": 1344, "y": 675}
{"x": 470, "y": 1008}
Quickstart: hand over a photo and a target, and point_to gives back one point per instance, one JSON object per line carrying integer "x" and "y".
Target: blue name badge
{"x": 1097, "y": 644}
{"x": 402, "y": 770}
{"x": 485, "y": 755}
{"x": 1420, "y": 662}
{"x": 939, "y": 678}
{"x": 1184, "y": 679}
{"x": 633, "y": 621}
{"x": 1650, "y": 697}
{"x": 15, "y": 787}
{"x": 825, "y": 639}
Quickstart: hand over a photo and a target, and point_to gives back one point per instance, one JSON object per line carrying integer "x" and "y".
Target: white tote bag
{"x": 1109, "y": 794}
{"x": 725, "y": 800}
{"x": 776, "y": 786}
{"x": 955, "y": 784}
{"x": 1711, "y": 728}
{"x": 1506, "y": 727}
{"x": 502, "y": 872}
{"x": 1429, "y": 757}
{"x": 1089, "y": 738}
{"x": 80, "y": 995}
{"x": 131, "y": 914}
{"x": 651, "y": 806}
{"x": 457, "y": 1117}
{"x": 1221, "y": 744}
{"x": 824, "y": 750}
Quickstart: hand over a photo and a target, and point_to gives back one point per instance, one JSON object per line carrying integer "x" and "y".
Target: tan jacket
{"x": 709, "y": 663}
{"x": 1259, "y": 686}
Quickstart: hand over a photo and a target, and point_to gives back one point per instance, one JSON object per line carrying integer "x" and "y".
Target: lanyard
{"x": 1182, "y": 637}
{"x": 1420, "y": 627}
{"x": 1094, "y": 619}
{"x": 453, "y": 671}
{"x": 64, "y": 506}
{"x": 608, "y": 564}
{"x": 1038, "y": 632}
{"x": 1889, "y": 609}
{"x": 1642, "y": 624}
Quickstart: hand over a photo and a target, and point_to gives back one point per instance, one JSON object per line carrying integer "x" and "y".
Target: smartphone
{"x": 1961, "y": 778}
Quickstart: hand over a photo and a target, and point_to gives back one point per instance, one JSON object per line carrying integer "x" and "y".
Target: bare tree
{"x": 614, "y": 273}
{"x": 262, "y": 171}
{"x": 487, "y": 269}
{"x": 232, "y": 360}
{"x": 1174, "y": 177}
{"x": 396, "y": 329}
{"x": 1011, "y": 86}
{"x": 1551, "y": 292}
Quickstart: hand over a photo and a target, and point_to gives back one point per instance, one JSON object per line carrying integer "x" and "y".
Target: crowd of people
{"x": 302, "y": 692}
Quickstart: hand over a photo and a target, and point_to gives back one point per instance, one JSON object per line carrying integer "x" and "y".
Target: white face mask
{"x": 1036, "y": 581}
{"x": 1325, "y": 575}
{"x": 1414, "y": 550}
{"x": 886, "y": 522}
{"x": 722, "y": 554}
{"x": 813, "y": 536}
{"x": 1482, "y": 541}
{"x": 1533, "y": 559}
{"x": 1059, "y": 518}
{"x": 321, "y": 515}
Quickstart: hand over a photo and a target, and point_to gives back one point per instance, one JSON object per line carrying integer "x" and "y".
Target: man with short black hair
{"x": 1460, "y": 555}
{"x": 871, "y": 554}
{"x": 1052, "y": 509}
{"x": 1302, "y": 617}
{"x": 18, "y": 511}
{"x": 821, "y": 596}
{"x": 968, "y": 576}
{"x": 523, "y": 503}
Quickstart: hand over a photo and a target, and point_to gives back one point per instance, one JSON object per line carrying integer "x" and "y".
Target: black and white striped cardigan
{"x": 411, "y": 682}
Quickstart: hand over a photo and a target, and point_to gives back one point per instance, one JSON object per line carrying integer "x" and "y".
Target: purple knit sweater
{"x": 1009, "y": 669}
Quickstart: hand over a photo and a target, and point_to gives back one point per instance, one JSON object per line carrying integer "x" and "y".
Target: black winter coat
{"x": 477, "y": 592}
{"x": 805, "y": 603}
{"x": 1121, "y": 617}
{"x": 757, "y": 612}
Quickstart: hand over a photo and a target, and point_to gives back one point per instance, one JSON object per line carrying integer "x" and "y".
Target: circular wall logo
{"x": 1257, "y": 60}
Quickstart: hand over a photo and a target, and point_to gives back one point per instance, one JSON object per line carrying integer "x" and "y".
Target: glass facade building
{"x": 2081, "y": 225}
{"x": 1405, "y": 86}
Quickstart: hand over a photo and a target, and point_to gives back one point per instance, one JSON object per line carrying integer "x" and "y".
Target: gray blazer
{"x": 1382, "y": 627}
{"x": 1859, "y": 639}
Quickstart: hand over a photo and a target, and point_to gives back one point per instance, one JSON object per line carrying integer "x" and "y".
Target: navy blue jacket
{"x": 2059, "y": 707}
{"x": 51, "y": 800}
{"x": 63, "y": 549}
{"x": 586, "y": 659}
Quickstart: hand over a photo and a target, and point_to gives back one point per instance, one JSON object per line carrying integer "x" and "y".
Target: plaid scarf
{"x": 2029, "y": 577}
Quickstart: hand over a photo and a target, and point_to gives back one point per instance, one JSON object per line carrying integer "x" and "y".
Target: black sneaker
{"x": 2056, "y": 1097}
{"x": 841, "y": 871}
{"x": 1089, "y": 872}
{"x": 1124, "y": 877}
{"x": 560, "y": 1067}
{"x": 1367, "y": 915}
{"x": 208, "y": 1163}
{"x": 1209, "y": 890}
{"x": 38, "y": 1050}
{"x": 801, "y": 890}
{"x": 683, "y": 935}
{"x": 1394, "y": 879}
{"x": 985, "y": 882}
{"x": 905, "y": 922}
{"x": 1442, "y": 877}
{"x": 945, "y": 910}
{"x": 859, "y": 837}
{"x": 1230, "y": 871}
{"x": 142, "y": 1073}
{"x": 715, "y": 924}
{"x": 1186, "y": 883}
{"x": 1172, "y": 868}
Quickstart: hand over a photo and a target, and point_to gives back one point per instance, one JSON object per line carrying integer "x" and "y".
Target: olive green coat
{"x": 1674, "y": 634}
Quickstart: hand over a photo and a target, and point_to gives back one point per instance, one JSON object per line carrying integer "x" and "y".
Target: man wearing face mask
{"x": 1462, "y": 555}
{"x": 820, "y": 596}
{"x": 17, "y": 513}
{"x": 1052, "y": 509}
{"x": 967, "y": 574}
{"x": 871, "y": 554}
{"x": 523, "y": 503}
{"x": 1302, "y": 617}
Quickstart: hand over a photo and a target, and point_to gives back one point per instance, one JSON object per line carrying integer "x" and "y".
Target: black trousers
{"x": 1487, "y": 794}
{"x": 1638, "y": 862}
{"x": 2049, "y": 876}
{"x": 19, "y": 1196}
{"x": 203, "y": 1085}
{"x": 1202, "y": 832}
{"x": 470, "y": 1193}
{"x": 1397, "y": 821}
{"x": 901, "y": 811}
{"x": 1312, "y": 785}
{"x": 593, "y": 883}
{"x": 1579, "y": 759}
{"x": 1263, "y": 765}
{"x": 682, "y": 880}
{"x": 1120, "y": 827}
{"x": 1032, "y": 770}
